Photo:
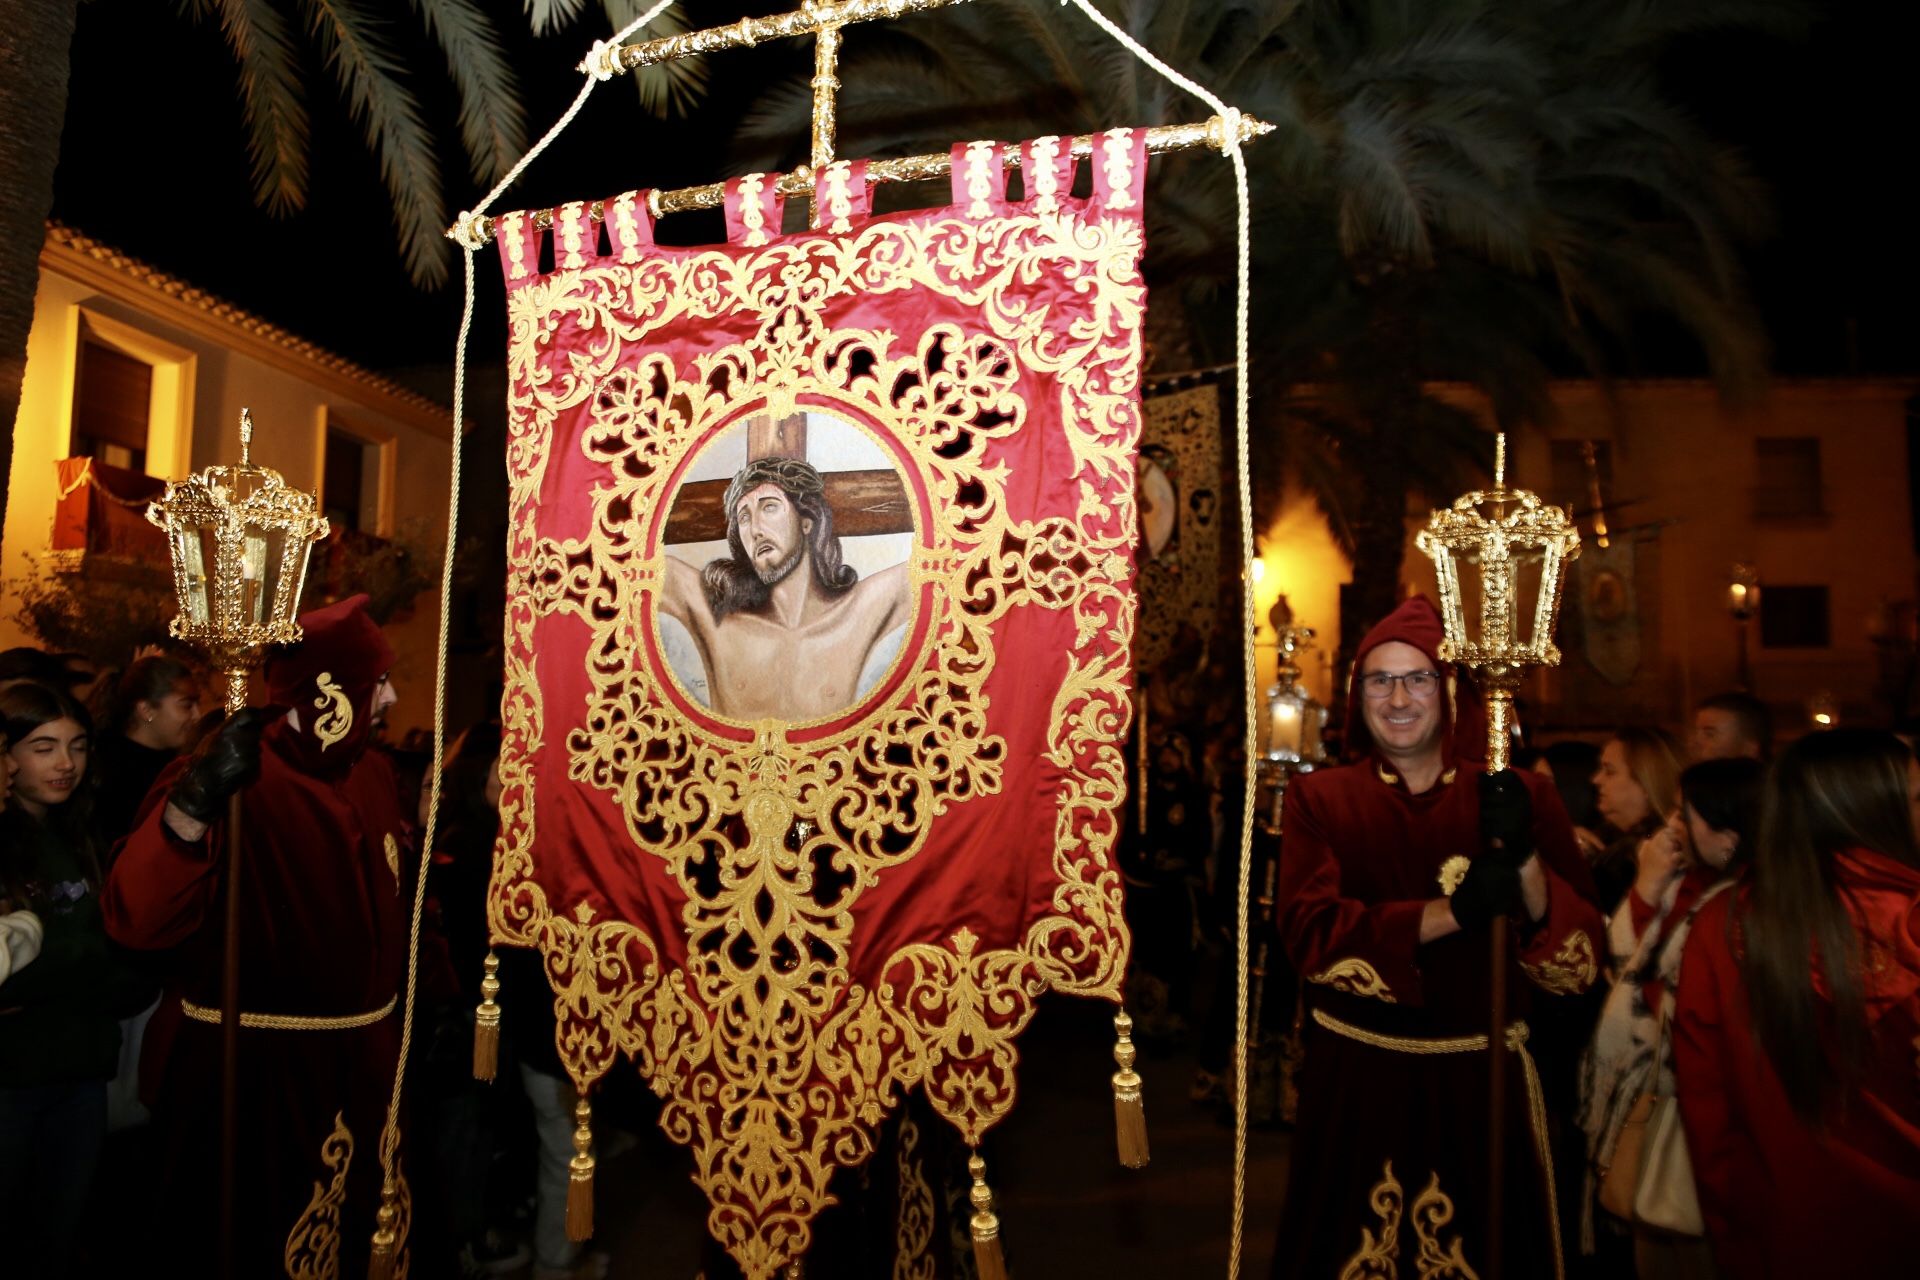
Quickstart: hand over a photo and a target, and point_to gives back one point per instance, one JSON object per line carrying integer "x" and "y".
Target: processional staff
{"x": 1499, "y": 617}
{"x": 240, "y": 540}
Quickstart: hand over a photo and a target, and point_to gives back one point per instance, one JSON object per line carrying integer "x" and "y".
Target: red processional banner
{"x": 819, "y": 610}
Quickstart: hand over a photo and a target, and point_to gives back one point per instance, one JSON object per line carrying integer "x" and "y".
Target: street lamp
{"x": 1743, "y": 601}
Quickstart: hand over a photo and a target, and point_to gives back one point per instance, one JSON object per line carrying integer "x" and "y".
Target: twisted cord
{"x": 1230, "y": 142}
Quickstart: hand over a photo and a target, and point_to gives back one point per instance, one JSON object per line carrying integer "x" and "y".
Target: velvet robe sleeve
{"x": 1372, "y": 946}
{"x": 1561, "y": 953}
{"x": 161, "y": 887}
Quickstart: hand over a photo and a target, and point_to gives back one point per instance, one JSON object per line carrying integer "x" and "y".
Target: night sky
{"x": 153, "y": 162}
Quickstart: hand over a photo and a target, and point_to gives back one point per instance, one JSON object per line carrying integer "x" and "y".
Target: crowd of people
{"x": 1713, "y": 984}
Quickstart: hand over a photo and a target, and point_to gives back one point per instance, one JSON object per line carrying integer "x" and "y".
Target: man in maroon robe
{"x": 1394, "y": 869}
{"x": 322, "y": 959}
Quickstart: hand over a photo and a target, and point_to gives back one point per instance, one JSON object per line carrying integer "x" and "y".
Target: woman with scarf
{"x": 1685, "y": 864}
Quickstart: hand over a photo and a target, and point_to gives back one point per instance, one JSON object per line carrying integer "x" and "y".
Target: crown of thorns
{"x": 791, "y": 474}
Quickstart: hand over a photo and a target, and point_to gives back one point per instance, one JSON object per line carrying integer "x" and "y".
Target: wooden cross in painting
{"x": 863, "y": 502}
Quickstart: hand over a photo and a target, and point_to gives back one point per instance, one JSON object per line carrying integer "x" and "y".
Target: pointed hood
{"x": 329, "y": 678}
{"x": 1463, "y": 726}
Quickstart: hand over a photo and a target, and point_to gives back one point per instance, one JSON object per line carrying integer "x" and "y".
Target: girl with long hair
{"x": 1795, "y": 1027}
{"x": 59, "y": 1033}
{"x": 150, "y": 720}
{"x": 1698, "y": 854}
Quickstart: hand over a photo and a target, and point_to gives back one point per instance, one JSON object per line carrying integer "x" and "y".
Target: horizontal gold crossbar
{"x": 1160, "y": 139}
{"x": 748, "y": 32}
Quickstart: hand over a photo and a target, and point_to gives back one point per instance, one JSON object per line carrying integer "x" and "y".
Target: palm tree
{"x": 1458, "y": 190}
{"x": 268, "y": 40}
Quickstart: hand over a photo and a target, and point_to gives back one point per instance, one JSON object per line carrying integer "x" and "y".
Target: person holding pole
{"x": 1396, "y": 871}
{"x": 322, "y": 945}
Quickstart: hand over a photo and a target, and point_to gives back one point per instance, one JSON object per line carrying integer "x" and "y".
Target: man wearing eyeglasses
{"x": 1395, "y": 868}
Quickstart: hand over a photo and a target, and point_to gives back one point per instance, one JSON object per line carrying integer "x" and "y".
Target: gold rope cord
{"x": 291, "y": 1021}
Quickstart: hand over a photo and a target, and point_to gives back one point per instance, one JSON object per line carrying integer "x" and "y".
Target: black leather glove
{"x": 225, "y": 761}
{"x": 1489, "y": 890}
{"x": 1506, "y": 818}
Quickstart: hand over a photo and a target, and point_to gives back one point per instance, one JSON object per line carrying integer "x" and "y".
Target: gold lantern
{"x": 1500, "y": 555}
{"x": 240, "y": 540}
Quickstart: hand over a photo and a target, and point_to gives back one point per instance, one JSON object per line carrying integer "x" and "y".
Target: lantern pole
{"x": 231, "y": 610}
{"x": 1487, "y": 533}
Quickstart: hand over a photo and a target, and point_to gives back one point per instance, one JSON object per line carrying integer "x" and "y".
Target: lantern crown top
{"x": 1520, "y": 513}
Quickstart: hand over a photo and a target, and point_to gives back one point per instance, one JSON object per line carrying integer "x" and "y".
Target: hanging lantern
{"x": 1295, "y": 719}
{"x": 1500, "y": 555}
{"x": 240, "y": 540}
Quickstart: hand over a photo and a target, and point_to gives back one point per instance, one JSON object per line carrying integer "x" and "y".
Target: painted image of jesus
{"x": 783, "y": 626}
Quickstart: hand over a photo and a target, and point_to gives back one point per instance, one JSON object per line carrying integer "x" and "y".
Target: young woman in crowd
{"x": 59, "y": 1031}
{"x": 1695, "y": 857}
{"x": 151, "y": 720}
{"x": 1795, "y": 1029}
{"x": 1636, "y": 787}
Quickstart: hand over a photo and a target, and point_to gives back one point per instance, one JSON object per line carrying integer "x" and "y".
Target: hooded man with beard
{"x": 1394, "y": 870}
{"x": 784, "y": 626}
{"x": 323, "y": 953}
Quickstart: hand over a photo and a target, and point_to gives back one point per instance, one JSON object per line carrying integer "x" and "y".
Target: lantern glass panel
{"x": 187, "y": 548}
{"x": 1528, "y": 564}
{"x": 260, "y": 573}
{"x": 1472, "y": 594}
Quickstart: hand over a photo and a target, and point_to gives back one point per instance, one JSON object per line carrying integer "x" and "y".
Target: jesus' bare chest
{"x": 761, "y": 669}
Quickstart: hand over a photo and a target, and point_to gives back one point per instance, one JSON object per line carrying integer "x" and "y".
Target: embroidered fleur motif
{"x": 979, "y": 179}
{"x": 839, "y": 197}
{"x": 628, "y": 226}
{"x": 572, "y": 215}
{"x": 511, "y": 228}
{"x": 752, "y": 219}
{"x": 1044, "y": 180}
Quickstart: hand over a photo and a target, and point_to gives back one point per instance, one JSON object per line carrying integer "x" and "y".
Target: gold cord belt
{"x": 1516, "y": 1040}
{"x": 291, "y": 1022}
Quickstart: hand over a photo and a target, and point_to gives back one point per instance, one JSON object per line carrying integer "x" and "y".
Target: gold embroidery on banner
{"x": 738, "y": 1036}
{"x": 979, "y": 179}
{"x": 336, "y": 713}
{"x": 1452, "y": 872}
{"x": 839, "y": 197}
{"x": 313, "y": 1246}
{"x": 1432, "y": 1210}
{"x": 1377, "y": 1256}
{"x": 628, "y": 223}
{"x": 512, "y": 229}
{"x": 913, "y": 1235}
{"x": 1355, "y": 977}
{"x": 572, "y": 215}
{"x": 1117, "y": 144}
{"x": 392, "y": 848}
{"x": 1044, "y": 178}
{"x": 1572, "y": 968}
{"x": 753, "y": 219}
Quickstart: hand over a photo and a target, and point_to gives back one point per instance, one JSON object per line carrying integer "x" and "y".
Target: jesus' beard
{"x": 775, "y": 576}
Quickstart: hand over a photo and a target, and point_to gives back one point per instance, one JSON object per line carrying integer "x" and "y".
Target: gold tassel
{"x": 486, "y": 1024}
{"x": 380, "y": 1265}
{"x": 987, "y": 1257}
{"x": 1129, "y": 1110}
{"x": 580, "y": 1180}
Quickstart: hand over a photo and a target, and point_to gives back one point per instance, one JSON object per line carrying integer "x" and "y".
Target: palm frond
{"x": 271, "y": 101}
{"x": 493, "y": 127}
{"x": 665, "y": 88}
{"x": 544, "y": 17}
{"x": 368, "y": 73}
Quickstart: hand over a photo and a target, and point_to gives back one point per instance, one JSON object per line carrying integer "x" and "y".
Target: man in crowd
{"x": 322, "y": 956}
{"x": 1394, "y": 871}
{"x": 1728, "y": 726}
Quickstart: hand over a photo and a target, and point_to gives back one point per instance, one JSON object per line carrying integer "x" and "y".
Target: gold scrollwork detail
{"x": 1355, "y": 977}
{"x": 1432, "y": 1210}
{"x": 913, "y": 1231}
{"x": 313, "y": 1246}
{"x": 773, "y": 1063}
{"x": 1452, "y": 872}
{"x": 391, "y": 848}
{"x": 979, "y": 179}
{"x": 1571, "y": 970}
{"x": 336, "y": 712}
{"x": 839, "y": 197}
{"x": 513, "y": 232}
{"x": 1117, "y": 147}
{"x": 1045, "y": 179}
{"x": 1377, "y": 1258}
{"x": 753, "y": 220}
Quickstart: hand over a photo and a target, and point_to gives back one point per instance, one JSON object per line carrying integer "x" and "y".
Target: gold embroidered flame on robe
{"x": 336, "y": 712}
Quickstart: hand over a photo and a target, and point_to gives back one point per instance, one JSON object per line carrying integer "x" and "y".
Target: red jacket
{"x": 1780, "y": 1198}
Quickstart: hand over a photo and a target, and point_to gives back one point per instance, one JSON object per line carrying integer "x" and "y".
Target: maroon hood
{"x": 1463, "y": 724}
{"x": 343, "y": 648}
